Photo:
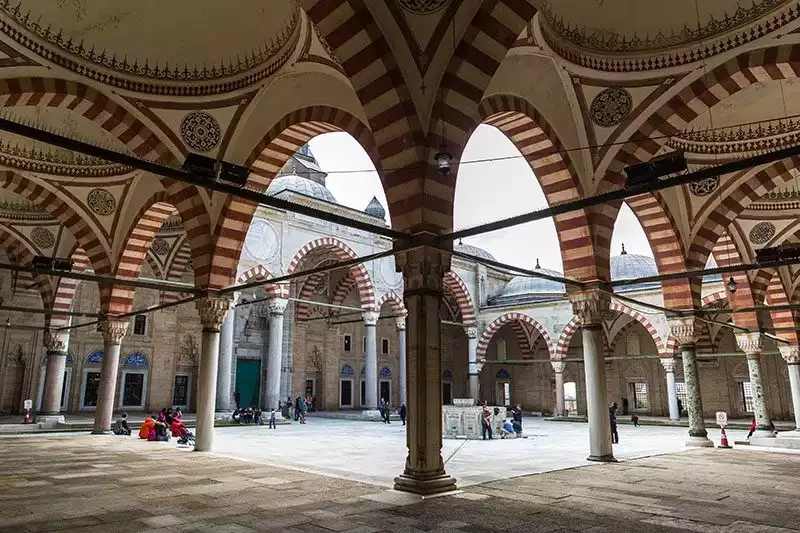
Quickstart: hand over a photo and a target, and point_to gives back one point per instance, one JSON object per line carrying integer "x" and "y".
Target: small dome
{"x": 632, "y": 266}
{"x": 473, "y": 250}
{"x": 522, "y": 286}
{"x": 375, "y": 209}
{"x": 300, "y": 185}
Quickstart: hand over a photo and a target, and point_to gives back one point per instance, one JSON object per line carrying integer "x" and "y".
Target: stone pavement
{"x": 114, "y": 484}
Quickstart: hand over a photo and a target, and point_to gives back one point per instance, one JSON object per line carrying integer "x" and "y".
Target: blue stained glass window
{"x": 447, "y": 374}
{"x": 503, "y": 374}
{"x": 347, "y": 370}
{"x": 385, "y": 372}
{"x": 137, "y": 359}
{"x": 95, "y": 358}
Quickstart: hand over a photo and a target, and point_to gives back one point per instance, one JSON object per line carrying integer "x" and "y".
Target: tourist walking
{"x": 486, "y": 421}
{"x": 272, "y": 419}
{"x": 612, "y": 414}
{"x": 402, "y": 412}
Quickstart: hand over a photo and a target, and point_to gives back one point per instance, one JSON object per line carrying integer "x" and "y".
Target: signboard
{"x": 722, "y": 418}
{"x": 28, "y": 404}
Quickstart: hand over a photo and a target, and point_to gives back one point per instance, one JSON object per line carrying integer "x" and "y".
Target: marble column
{"x": 752, "y": 345}
{"x": 113, "y": 332}
{"x": 225, "y": 367}
{"x": 591, "y": 307}
{"x": 686, "y": 334}
{"x": 558, "y": 369}
{"x": 423, "y": 271}
{"x": 472, "y": 361}
{"x": 56, "y": 344}
{"x": 791, "y": 354}
{"x": 371, "y": 361}
{"x": 212, "y": 310}
{"x": 672, "y": 395}
{"x": 287, "y": 357}
{"x": 401, "y": 350}
{"x": 276, "y": 308}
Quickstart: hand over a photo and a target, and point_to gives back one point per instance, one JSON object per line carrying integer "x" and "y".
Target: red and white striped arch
{"x": 776, "y": 295}
{"x": 643, "y": 320}
{"x": 66, "y": 287}
{"x": 714, "y": 297}
{"x": 394, "y": 301}
{"x": 278, "y": 145}
{"x": 566, "y": 337}
{"x": 260, "y": 273}
{"x": 24, "y": 256}
{"x": 339, "y": 251}
{"x": 511, "y": 319}
{"x": 181, "y": 256}
{"x": 453, "y": 283}
{"x": 726, "y": 254}
{"x": 538, "y": 143}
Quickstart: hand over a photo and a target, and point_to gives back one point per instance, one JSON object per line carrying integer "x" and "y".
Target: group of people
{"x": 248, "y": 415}
{"x": 511, "y": 426}
{"x": 160, "y": 427}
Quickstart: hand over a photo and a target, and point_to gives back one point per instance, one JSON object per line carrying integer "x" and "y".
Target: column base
{"x": 224, "y": 414}
{"x": 425, "y": 484}
{"x": 49, "y": 420}
{"x": 699, "y": 442}
{"x": 102, "y": 432}
{"x": 371, "y": 414}
{"x": 764, "y": 433}
{"x": 608, "y": 458}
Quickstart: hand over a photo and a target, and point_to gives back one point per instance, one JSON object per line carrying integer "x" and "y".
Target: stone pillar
{"x": 752, "y": 345}
{"x": 113, "y": 332}
{"x": 423, "y": 271}
{"x": 558, "y": 368}
{"x": 401, "y": 350}
{"x": 56, "y": 344}
{"x": 275, "y": 353}
{"x": 672, "y": 395}
{"x": 791, "y": 354}
{"x": 591, "y": 306}
{"x": 225, "y": 367}
{"x": 288, "y": 349}
{"x": 472, "y": 361}
{"x": 371, "y": 361}
{"x": 212, "y": 312}
{"x": 684, "y": 331}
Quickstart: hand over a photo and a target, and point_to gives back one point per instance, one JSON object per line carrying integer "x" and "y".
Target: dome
{"x": 375, "y": 209}
{"x": 473, "y": 250}
{"x": 300, "y": 185}
{"x": 523, "y": 288}
{"x": 632, "y": 266}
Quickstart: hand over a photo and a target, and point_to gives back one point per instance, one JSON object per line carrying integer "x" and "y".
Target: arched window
{"x": 136, "y": 360}
{"x": 91, "y": 380}
{"x": 347, "y": 370}
{"x": 95, "y": 358}
{"x": 386, "y": 372}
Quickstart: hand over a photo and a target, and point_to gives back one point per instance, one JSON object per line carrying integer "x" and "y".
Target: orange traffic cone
{"x": 724, "y": 440}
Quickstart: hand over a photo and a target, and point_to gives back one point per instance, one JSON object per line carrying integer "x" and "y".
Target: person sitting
{"x": 144, "y": 431}
{"x": 237, "y": 416}
{"x": 507, "y": 429}
{"x": 178, "y": 413}
{"x": 177, "y": 427}
{"x": 517, "y": 428}
{"x": 248, "y": 415}
{"x": 121, "y": 425}
{"x": 160, "y": 430}
{"x": 257, "y": 416}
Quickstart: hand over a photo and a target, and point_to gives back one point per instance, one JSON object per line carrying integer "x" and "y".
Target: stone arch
{"x": 24, "y": 255}
{"x": 565, "y": 337}
{"x": 530, "y": 132}
{"x": 66, "y": 287}
{"x": 287, "y": 136}
{"x": 776, "y": 295}
{"x": 726, "y": 254}
{"x": 394, "y": 301}
{"x": 180, "y": 260}
{"x": 641, "y": 319}
{"x": 455, "y": 285}
{"x": 718, "y": 296}
{"x": 510, "y": 318}
{"x": 260, "y": 273}
{"x": 341, "y": 252}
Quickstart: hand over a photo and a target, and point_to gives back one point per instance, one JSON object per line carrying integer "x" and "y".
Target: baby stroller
{"x": 187, "y": 437}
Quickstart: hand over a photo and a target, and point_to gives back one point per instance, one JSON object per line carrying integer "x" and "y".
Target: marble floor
{"x": 106, "y": 484}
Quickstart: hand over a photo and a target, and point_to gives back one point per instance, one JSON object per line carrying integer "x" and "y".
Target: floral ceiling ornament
{"x": 610, "y": 107}
{"x": 762, "y": 232}
{"x": 101, "y": 202}
{"x": 160, "y": 246}
{"x": 200, "y": 131}
{"x": 43, "y": 238}
{"x": 704, "y": 187}
{"x": 422, "y": 7}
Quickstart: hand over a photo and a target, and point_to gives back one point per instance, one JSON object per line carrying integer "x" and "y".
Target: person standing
{"x": 612, "y": 413}
{"x": 486, "y": 421}
{"x": 402, "y": 412}
{"x": 516, "y": 417}
{"x": 272, "y": 419}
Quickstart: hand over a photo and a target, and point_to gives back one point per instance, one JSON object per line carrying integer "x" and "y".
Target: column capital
{"x": 423, "y": 268}
{"x": 370, "y": 317}
{"x": 114, "y": 330}
{"x": 277, "y": 306}
{"x": 212, "y": 310}
{"x": 471, "y": 331}
{"x": 669, "y": 364}
{"x": 590, "y": 306}
{"x": 684, "y": 330}
{"x": 400, "y": 322}
{"x": 790, "y": 353}
{"x": 752, "y": 344}
{"x": 558, "y": 366}
{"x": 56, "y": 341}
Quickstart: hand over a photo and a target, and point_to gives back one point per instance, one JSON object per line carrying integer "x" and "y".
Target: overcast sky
{"x": 485, "y": 191}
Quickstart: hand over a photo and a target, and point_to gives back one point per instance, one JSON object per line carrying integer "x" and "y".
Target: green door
{"x": 248, "y": 372}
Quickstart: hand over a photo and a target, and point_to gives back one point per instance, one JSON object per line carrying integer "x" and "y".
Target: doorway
{"x": 386, "y": 391}
{"x": 346, "y": 393}
{"x": 91, "y": 386}
{"x": 248, "y": 380}
{"x": 503, "y": 393}
{"x": 447, "y": 393}
{"x": 363, "y": 397}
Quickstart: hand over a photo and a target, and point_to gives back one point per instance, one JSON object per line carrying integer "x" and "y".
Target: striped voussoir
{"x": 66, "y": 287}
{"x": 149, "y": 220}
{"x": 23, "y": 255}
{"x": 280, "y": 143}
{"x": 260, "y": 273}
{"x": 759, "y": 283}
{"x": 776, "y": 295}
{"x": 455, "y": 285}
{"x": 155, "y": 264}
{"x": 343, "y": 288}
{"x": 395, "y": 303}
{"x": 538, "y": 143}
{"x": 622, "y": 335}
{"x": 196, "y": 223}
{"x": 714, "y": 297}
{"x": 511, "y": 318}
{"x": 726, "y": 254}
{"x": 565, "y": 337}
{"x": 641, "y": 319}
{"x": 180, "y": 257}
{"x": 306, "y": 292}
{"x": 341, "y": 252}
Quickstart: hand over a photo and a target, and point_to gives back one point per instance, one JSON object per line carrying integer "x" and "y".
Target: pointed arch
{"x": 565, "y": 337}
{"x": 452, "y": 282}
{"x": 777, "y": 295}
{"x": 394, "y": 301}
{"x": 66, "y": 288}
{"x": 510, "y": 318}
{"x": 714, "y": 297}
{"x": 260, "y": 273}
{"x": 726, "y": 254}
{"x": 644, "y": 321}
{"x": 181, "y": 260}
{"x": 23, "y": 253}
{"x": 273, "y": 151}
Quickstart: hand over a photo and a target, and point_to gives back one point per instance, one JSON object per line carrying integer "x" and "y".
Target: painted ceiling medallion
{"x": 101, "y": 202}
{"x": 762, "y": 232}
{"x": 261, "y": 243}
{"x": 422, "y": 7}
{"x": 704, "y": 187}
{"x": 200, "y": 131}
{"x": 43, "y": 238}
{"x": 610, "y": 107}
{"x": 160, "y": 246}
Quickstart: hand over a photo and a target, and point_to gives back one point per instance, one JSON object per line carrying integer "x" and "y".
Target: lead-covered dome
{"x": 529, "y": 288}
{"x": 633, "y": 266}
{"x": 375, "y": 209}
{"x": 300, "y": 185}
{"x": 473, "y": 250}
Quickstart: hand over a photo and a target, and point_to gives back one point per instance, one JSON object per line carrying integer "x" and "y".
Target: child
{"x": 121, "y": 427}
{"x": 635, "y": 419}
{"x": 272, "y": 419}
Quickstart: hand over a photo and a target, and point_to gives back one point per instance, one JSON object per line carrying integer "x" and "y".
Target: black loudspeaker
{"x": 659, "y": 166}
{"x": 234, "y": 174}
{"x": 200, "y": 166}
